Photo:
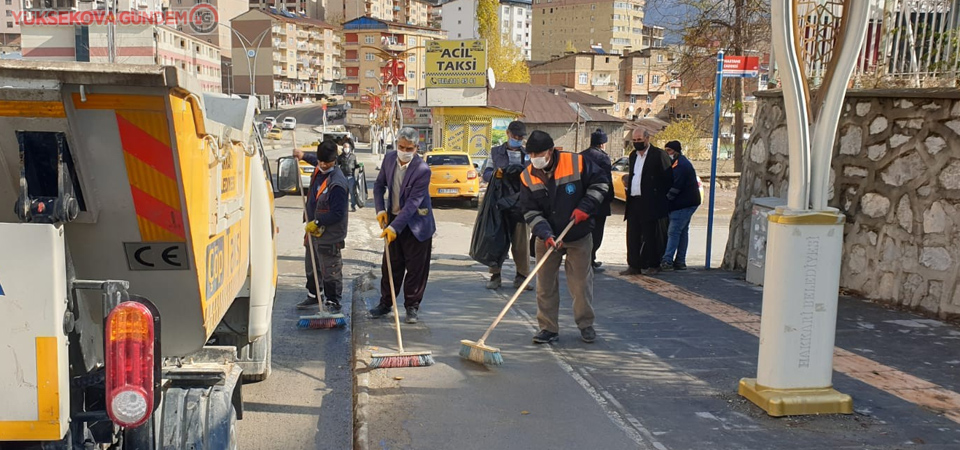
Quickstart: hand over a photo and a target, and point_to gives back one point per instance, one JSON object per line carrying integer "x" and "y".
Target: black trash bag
{"x": 491, "y": 239}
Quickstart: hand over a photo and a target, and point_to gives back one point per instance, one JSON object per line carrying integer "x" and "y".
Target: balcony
{"x": 394, "y": 46}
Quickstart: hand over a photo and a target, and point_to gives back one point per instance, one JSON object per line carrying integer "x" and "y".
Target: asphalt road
{"x": 305, "y": 115}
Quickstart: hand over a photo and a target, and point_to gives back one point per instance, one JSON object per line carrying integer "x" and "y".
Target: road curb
{"x": 361, "y": 381}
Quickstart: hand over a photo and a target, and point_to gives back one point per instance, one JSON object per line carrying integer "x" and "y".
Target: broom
{"x": 321, "y": 320}
{"x": 484, "y": 354}
{"x": 403, "y": 358}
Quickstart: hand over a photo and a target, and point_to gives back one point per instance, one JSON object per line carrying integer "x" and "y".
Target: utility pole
{"x": 112, "y": 33}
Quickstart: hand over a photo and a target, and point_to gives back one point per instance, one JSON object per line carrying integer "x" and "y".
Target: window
{"x": 369, "y": 57}
{"x": 659, "y": 58}
{"x": 9, "y": 13}
{"x": 411, "y": 75}
{"x": 413, "y": 58}
{"x": 593, "y": 6}
{"x": 368, "y": 40}
{"x": 370, "y": 74}
{"x": 649, "y": 100}
{"x": 616, "y": 107}
{"x": 639, "y": 79}
{"x": 633, "y": 99}
{"x": 8, "y": 2}
{"x": 583, "y": 78}
{"x": 656, "y": 79}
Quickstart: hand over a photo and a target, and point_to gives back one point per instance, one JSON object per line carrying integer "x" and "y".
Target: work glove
{"x": 389, "y": 234}
{"x": 498, "y": 174}
{"x": 382, "y": 219}
{"x": 552, "y": 243}
{"x": 579, "y": 216}
{"x": 513, "y": 170}
{"x": 314, "y": 229}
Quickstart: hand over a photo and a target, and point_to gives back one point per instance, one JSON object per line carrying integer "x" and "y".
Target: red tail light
{"x": 471, "y": 174}
{"x": 130, "y": 364}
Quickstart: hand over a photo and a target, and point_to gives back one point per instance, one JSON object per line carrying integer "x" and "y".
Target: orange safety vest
{"x": 569, "y": 168}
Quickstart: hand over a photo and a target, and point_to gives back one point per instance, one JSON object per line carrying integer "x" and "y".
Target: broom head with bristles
{"x": 405, "y": 359}
{"x": 480, "y": 353}
{"x": 322, "y": 321}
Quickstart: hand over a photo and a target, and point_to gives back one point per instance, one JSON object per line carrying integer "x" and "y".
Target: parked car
{"x": 306, "y": 172}
{"x": 271, "y": 122}
{"x": 274, "y": 134}
{"x": 289, "y": 123}
{"x": 454, "y": 176}
{"x": 621, "y": 168}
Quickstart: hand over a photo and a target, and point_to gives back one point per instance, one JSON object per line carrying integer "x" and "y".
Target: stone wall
{"x": 896, "y": 176}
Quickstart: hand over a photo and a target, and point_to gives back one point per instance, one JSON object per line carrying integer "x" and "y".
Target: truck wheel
{"x": 260, "y": 353}
{"x": 198, "y": 418}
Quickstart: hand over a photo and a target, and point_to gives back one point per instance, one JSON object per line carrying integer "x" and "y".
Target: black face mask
{"x": 639, "y": 146}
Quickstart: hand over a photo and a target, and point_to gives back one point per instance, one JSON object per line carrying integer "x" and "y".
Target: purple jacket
{"x": 416, "y": 212}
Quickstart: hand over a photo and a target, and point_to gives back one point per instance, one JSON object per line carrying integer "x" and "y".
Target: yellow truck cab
{"x": 136, "y": 227}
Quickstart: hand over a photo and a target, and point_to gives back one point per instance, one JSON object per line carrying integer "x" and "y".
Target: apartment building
{"x": 407, "y": 12}
{"x": 9, "y": 27}
{"x": 135, "y": 44}
{"x": 221, "y": 36}
{"x": 614, "y": 26}
{"x": 592, "y": 73}
{"x": 459, "y": 20}
{"x": 366, "y": 40}
{"x": 298, "y": 59}
{"x": 310, "y": 9}
{"x": 648, "y": 82}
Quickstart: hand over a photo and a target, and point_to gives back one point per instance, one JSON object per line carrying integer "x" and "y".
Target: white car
{"x": 271, "y": 121}
{"x": 289, "y": 123}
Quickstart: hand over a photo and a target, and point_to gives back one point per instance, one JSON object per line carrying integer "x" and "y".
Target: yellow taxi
{"x": 275, "y": 134}
{"x": 306, "y": 172}
{"x": 454, "y": 176}
{"x": 621, "y": 168}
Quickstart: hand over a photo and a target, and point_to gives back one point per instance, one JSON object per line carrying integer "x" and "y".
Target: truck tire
{"x": 259, "y": 353}
{"x": 198, "y": 418}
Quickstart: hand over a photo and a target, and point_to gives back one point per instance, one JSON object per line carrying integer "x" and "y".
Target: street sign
{"x": 456, "y": 64}
{"x": 741, "y": 66}
{"x": 251, "y": 53}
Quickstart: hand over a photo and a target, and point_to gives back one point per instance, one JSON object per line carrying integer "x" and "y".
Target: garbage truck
{"x": 137, "y": 258}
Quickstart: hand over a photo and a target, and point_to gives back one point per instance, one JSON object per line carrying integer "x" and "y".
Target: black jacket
{"x": 549, "y": 196}
{"x": 601, "y": 160}
{"x": 655, "y": 181}
{"x": 348, "y": 163}
{"x": 685, "y": 191}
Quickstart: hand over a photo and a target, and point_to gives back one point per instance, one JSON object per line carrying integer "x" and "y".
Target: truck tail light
{"x": 130, "y": 364}
{"x": 471, "y": 174}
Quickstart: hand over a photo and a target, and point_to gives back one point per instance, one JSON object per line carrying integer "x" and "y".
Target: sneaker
{"x": 380, "y": 311}
{"x": 630, "y": 271}
{"x": 666, "y": 267}
{"x": 494, "y": 282}
{"x": 652, "y": 271}
{"x": 588, "y": 335}
{"x": 519, "y": 280}
{"x": 679, "y": 266}
{"x": 308, "y": 303}
{"x": 411, "y": 315}
{"x": 545, "y": 337}
{"x": 332, "y": 307}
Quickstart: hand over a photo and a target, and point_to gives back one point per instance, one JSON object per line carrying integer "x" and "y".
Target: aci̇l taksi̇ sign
{"x": 456, "y": 64}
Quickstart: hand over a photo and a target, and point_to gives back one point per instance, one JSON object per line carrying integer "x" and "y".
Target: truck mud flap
{"x": 201, "y": 417}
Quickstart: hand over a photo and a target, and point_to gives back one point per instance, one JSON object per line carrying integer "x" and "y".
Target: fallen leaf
{"x": 524, "y": 412}
{"x": 398, "y": 378}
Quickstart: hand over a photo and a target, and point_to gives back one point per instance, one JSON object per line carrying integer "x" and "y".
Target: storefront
{"x": 470, "y": 129}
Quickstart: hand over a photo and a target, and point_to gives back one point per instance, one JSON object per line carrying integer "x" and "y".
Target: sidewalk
{"x": 663, "y": 373}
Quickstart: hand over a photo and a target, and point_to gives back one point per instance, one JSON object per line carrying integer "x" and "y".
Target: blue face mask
{"x": 514, "y": 143}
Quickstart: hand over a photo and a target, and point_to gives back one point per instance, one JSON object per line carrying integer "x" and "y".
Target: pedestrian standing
{"x": 327, "y": 225}
{"x": 560, "y": 187}
{"x": 683, "y": 199}
{"x": 647, "y": 183}
{"x": 348, "y": 165}
{"x": 598, "y": 156}
{"x": 401, "y": 195}
{"x": 509, "y": 160}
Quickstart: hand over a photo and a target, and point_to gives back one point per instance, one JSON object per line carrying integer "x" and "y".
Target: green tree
{"x": 689, "y": 135}
{"x": 503, "y": 55}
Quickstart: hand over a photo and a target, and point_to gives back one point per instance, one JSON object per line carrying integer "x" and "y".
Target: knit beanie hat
{"x": 597, "y": 138}
{"x": 673, "y": 145}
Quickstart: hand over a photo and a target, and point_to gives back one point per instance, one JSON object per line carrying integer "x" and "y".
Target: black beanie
{"x": 673, "y": 145}
{"x": 539, "y": 142}
{"x": 327, "y": 151}
{"x": 597, "y": 138}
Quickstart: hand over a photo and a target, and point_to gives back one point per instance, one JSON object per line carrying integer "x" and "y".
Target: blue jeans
{"x": 352, "y": 187}
{"x": 678, "y": 236}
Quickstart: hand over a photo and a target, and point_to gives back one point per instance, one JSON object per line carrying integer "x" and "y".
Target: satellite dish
{"x": 491, "y": 78}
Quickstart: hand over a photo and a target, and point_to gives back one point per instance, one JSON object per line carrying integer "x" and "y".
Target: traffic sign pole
{"x": 713, "y": 159}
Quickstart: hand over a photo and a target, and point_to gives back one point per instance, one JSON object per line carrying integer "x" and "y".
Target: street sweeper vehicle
{"x": 137, "y": 258}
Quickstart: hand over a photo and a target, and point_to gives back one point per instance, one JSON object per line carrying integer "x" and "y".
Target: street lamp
{"x": 249, "y": 49}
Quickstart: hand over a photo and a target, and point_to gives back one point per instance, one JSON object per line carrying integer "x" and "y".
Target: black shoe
{"x": 353, "y": 209}
{"x": 519, "y": 280}
{"x": 308, "y": 303}
{"x": 679, "y": 266}
{"x": 597, "y": 264}
{"x": 630, "y": 271}
{"x": 588, "y": 335}
{"x": 652, "y": 271}
{"x": 666, "y": 267}
{"x": 332, "y": 307}
{"x": 545, "y": 337}
{"x": 494, "y": 282}
{"x": 412, "y": 315}
{"x": 380, "y": 311}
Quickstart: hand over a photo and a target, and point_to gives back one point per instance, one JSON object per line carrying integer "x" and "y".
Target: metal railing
{"x": 909, "y": 43}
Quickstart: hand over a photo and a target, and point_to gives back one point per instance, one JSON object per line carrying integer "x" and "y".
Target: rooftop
{"x": 548, "y": 104}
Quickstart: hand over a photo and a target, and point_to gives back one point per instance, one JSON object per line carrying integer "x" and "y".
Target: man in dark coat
{"x": 646, "y": 184}
{"x": 598, "y": 156}
{"x": 683, "y": 199}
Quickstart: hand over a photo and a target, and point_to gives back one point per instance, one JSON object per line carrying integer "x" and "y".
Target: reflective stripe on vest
{"x": 323, "y": 187}
{"x": 569, "y": 166}
{"x": 532, "y": 182}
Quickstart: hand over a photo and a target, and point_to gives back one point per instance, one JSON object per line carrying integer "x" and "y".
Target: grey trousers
{"x": 579, "y": 256}
{"x": 330, "y": 264}
{"x": 520, "y": 248}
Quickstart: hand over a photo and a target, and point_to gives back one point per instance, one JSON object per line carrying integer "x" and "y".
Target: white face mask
{"x": 539, "y": 162}
{"x": 325, "y": 171}
{"x": 405, "y": 157}
{"x": 346, "y": 149}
